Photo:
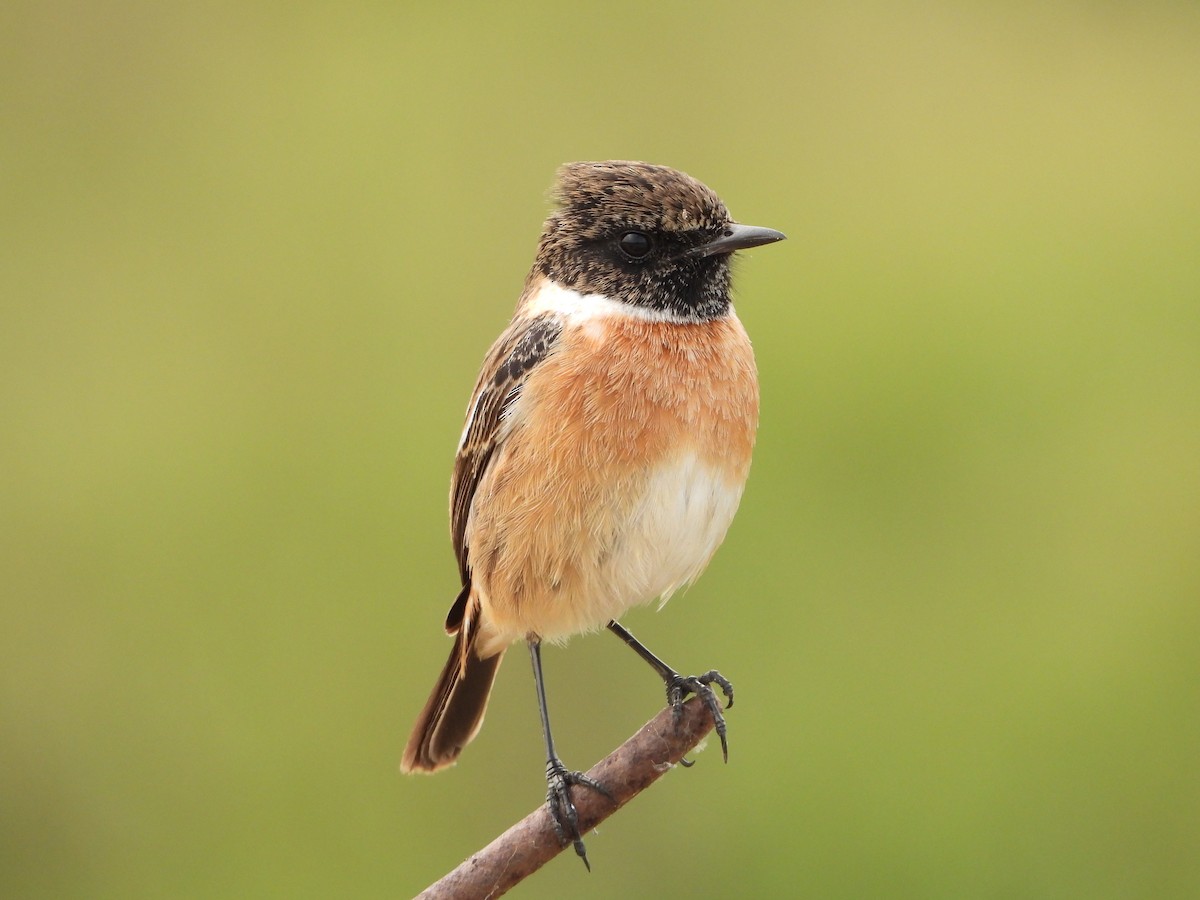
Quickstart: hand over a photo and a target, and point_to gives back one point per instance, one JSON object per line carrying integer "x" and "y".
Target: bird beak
{"x": 737, "y": 237}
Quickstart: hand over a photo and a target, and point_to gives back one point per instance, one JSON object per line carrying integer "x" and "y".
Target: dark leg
{"x": 558, "y": 778}
{"x": 679, "y": 686}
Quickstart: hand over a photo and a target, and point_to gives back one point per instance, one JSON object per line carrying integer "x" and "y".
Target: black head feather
{"x": 624, "y": 230}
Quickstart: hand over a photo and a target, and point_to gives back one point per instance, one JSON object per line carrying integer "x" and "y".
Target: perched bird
{"x": 606, "y": 445}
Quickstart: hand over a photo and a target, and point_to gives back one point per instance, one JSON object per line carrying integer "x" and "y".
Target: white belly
{"x": 674, "y": 531}
{"x": 664, "y": 543}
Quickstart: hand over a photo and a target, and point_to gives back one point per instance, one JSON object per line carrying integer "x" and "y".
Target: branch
{"x": 532, "y": 842}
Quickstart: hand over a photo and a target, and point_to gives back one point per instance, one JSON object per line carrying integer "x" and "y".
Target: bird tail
{"x": 454, "y": 711}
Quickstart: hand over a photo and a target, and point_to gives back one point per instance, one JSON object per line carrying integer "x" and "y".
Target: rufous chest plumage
{"x": 621, "y": 466}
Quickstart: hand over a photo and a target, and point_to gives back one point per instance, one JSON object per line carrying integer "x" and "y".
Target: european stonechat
{"x": 606, "y": 445}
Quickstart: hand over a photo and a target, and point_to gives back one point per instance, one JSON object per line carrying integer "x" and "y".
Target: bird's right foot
{"x": 559, "y": 780}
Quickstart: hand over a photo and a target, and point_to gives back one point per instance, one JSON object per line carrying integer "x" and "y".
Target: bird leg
{"x": 559, "y": 778}
{"x": 680, "y": 686}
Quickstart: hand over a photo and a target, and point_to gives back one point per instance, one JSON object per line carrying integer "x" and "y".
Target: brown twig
{"x": 532, "y": 842}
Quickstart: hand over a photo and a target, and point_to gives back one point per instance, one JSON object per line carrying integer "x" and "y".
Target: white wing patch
{"x": 462, "y": 439}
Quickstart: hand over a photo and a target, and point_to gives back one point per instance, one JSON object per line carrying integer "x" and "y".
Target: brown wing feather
{"x": 524, "y": 344}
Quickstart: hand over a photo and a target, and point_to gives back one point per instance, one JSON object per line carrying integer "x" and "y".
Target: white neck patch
{"x": 551, "y": 297}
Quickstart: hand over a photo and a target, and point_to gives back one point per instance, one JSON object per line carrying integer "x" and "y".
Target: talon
{"x": 679, "y": 686}
{"x": 713, "y": 676}
{"x": 559, "y": 780}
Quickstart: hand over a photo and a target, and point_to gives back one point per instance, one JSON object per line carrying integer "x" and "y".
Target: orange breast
{"x": 622, "y": 412}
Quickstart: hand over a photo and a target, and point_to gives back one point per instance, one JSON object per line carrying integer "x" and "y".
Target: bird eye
{"x": 635, "y": 244}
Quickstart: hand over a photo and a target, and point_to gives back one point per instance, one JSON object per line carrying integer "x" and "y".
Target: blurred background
{"x": 251, "y": 256}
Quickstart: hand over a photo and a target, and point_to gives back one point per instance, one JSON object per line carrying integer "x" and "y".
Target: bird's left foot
{"x": 680, "y": 686}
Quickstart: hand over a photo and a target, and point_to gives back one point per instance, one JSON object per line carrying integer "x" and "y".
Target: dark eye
{"x": 635, "y": 244}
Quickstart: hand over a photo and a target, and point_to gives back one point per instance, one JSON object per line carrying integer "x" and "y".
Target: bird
{"x": 606, "y": 446}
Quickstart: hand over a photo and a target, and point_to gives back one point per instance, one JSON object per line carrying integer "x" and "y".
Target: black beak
{"x": 737, "y": 237}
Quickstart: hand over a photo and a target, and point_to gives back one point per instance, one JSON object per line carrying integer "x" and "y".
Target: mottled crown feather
{"x": 605, "y": 194}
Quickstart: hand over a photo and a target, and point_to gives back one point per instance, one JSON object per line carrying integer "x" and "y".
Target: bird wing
{"x": 523, "y": 345}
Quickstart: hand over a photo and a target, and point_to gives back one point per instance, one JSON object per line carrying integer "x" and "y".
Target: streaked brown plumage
{"x": 608, "y": 437}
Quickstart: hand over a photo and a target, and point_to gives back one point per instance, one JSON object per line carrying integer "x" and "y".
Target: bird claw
{"x": 680, "y": 686}
{"x": 559, "y": 780}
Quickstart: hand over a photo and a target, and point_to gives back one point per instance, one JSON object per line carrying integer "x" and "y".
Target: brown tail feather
{"x": 453, "y": 712}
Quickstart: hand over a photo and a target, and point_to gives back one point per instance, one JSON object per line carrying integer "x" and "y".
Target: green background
{"x": 250, "y": 259}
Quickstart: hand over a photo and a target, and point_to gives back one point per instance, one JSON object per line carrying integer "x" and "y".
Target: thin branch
{"x": 532, "y": 842}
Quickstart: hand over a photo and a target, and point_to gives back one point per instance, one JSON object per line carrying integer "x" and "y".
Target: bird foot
{"x": 559, "y": 780}
{"x": 680, "y": 686}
